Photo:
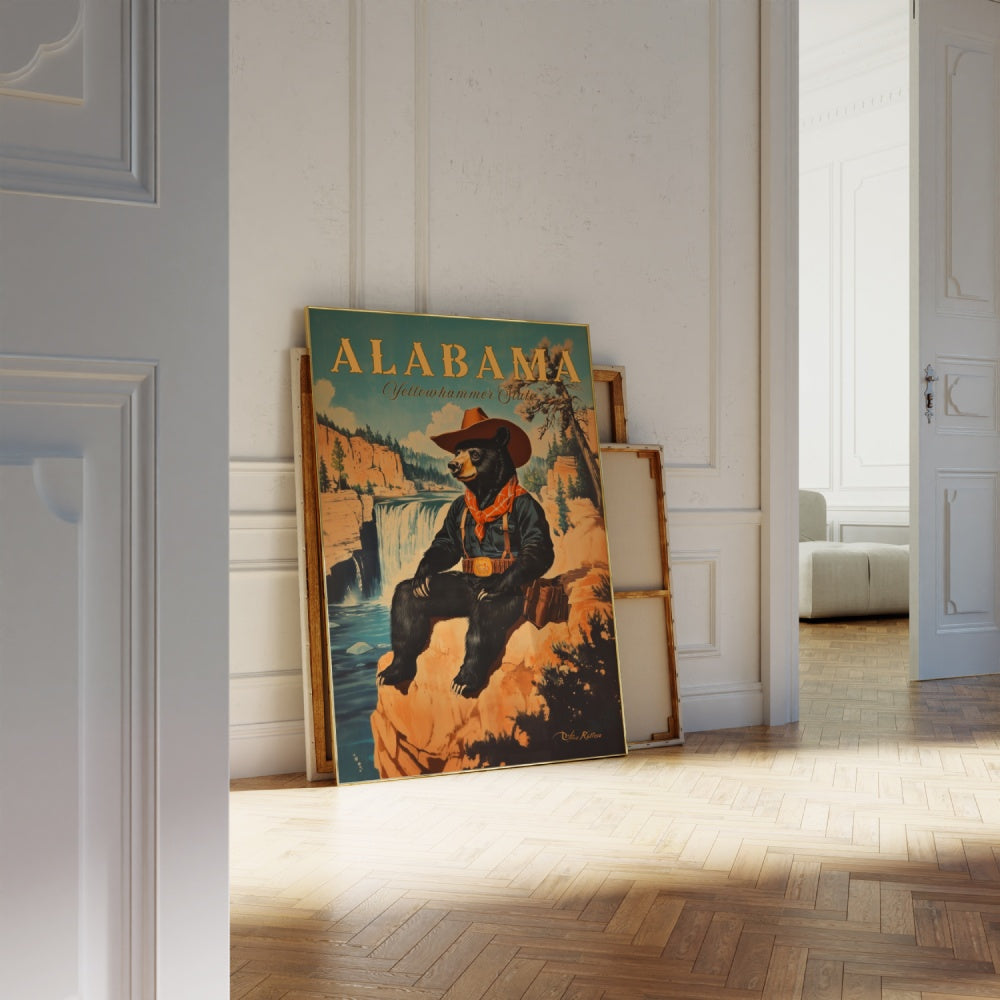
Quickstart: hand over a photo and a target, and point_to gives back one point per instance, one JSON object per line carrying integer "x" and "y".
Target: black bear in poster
{"x": 501, "y": 536}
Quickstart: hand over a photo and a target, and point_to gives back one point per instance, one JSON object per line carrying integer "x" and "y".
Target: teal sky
{"x": 430, "y": 389}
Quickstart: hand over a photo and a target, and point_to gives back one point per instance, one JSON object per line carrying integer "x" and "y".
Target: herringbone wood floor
{"x": 853, "y": 855}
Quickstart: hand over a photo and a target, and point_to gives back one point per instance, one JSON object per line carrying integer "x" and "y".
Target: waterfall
{"x": 405, "y": 529}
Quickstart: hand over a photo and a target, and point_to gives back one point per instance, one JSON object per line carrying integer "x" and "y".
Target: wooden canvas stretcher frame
{"x": 321, "y": 761}
{"x": 640, "y": 572}
{"x": 609, "y": 398}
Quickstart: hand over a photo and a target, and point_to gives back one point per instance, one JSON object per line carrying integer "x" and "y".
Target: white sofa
{"x": 847, "y": 579}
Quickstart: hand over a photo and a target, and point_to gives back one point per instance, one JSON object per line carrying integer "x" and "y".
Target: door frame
{"x": 779, "y": 359}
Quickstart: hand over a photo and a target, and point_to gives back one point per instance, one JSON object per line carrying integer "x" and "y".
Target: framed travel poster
{"x": 465, "y": 570}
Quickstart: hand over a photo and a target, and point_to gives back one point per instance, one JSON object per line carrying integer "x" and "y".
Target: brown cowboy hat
{"x": 477, "y": 426}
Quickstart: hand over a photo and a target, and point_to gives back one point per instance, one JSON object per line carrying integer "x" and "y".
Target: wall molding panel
{"x": 874, "y": 327}
{"x": 707, "y": 465}
{"x": 968, "y": 599}
{"x": 715, "y": 269}
{"x": 969, "y": 396}
{"x": 262, "y": 486}
{"x": 78, "y": 119}
{"x": 696, "y": 574}
{"x": 876, "y": 524}
{"x": 714, "y": 566}
{"x": 971, "y": 260}
{"x": 77, "y": 463}
{"x": 819, "y": 319}
{"x": 266, "y": 694}
{"x": 47, "y": 59}
{"x": 263, "y": 543}
{"x": 268, "y": 697}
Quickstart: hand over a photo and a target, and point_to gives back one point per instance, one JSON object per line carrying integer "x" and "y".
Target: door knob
{"x": 929, "y": 379}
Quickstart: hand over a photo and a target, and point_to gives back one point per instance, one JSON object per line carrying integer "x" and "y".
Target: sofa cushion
{"x": 889, "y": 592}
{"x": 851, "y": 579}
{"x": 812, "y": 516}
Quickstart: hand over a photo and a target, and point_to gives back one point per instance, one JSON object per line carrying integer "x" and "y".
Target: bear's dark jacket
{"x": 493, "y": 604}
{"x": 527, "y": 528}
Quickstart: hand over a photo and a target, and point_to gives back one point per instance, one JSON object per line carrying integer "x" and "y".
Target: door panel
{"x": 76, "y": 717}
{"x": 113, "y": 499}
{"x": 81, "y": 82}
{"x": 955, "y": 627}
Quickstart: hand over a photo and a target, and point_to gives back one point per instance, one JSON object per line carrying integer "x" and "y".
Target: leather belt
{"x": 484, "y": 566}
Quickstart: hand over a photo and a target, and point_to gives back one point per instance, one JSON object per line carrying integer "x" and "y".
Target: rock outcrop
{"x": 432, "y": 730}
{"x": 429, "y": 730}
{"x": 341, "y": 516}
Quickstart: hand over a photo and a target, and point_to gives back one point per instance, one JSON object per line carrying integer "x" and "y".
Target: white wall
{"x": 593, "y": 162}
{"x": 854, "y": 264}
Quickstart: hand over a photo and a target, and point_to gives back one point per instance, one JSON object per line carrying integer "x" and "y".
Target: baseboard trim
{"x": 721, "y": 706}
{"x": 266, "y": 748}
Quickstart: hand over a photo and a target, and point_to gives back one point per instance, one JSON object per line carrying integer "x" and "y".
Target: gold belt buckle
{"x": 482, "y": 566}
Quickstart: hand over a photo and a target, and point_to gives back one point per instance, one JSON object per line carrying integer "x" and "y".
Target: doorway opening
{"x": 854, "y": 292}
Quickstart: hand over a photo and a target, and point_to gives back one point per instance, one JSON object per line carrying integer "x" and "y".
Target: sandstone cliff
{"x": 368, "y": 466}
{"x": 355, "y": 471}
{"x": 350, "y": 544}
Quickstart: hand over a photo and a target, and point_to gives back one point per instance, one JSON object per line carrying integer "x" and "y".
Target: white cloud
{"x": 323, "y": 393}
{"x": 448, "y": 418}
{"x": 342, "y": 417}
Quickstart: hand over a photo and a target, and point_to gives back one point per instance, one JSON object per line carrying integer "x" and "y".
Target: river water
{"x": 359, "y": 631}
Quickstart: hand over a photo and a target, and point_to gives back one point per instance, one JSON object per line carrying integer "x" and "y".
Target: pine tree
{"x": 338, "y": 461}
{"x": 562, "y": 412}
{"x": 324, "y": 477}
{"x": 562, "y": 507}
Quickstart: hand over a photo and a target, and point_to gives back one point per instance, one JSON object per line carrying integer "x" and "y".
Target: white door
{"x": 113, "y": 499}
{"x": 955, "y": 468}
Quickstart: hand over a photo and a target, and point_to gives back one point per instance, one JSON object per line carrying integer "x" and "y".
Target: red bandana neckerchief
{"x": 502, "y": 505}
